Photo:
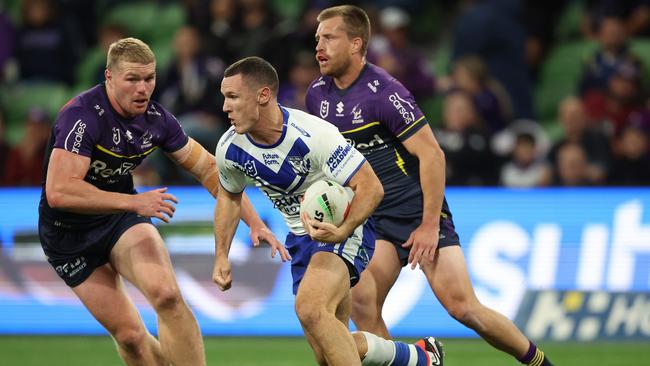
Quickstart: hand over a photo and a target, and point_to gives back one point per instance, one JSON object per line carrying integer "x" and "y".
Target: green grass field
{"x": 90, "y": 351}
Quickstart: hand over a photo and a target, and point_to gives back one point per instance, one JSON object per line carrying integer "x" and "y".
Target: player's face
{"x": 240, "y": 103}
{"x": 129, "y": 86}
{"x": 333, "y": 47}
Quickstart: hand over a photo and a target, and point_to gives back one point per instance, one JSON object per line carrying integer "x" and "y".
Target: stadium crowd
{"x": 519, "y": 93}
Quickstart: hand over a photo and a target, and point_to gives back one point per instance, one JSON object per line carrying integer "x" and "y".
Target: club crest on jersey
{"x": 356, "y": 115}
{"x": 324, "y": 108}
{"x": 116, "y": 136}
{"x": 146, "y": 140}
{"x": 300, "y": 165}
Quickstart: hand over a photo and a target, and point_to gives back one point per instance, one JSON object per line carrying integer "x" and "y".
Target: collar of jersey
{"x": 285, "y": 119}
{"x": 342, "y": 92}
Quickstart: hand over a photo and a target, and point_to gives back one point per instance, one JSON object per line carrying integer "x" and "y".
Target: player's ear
{"x": 107, "y": 74}
{"x": 264, "y": 95}
{"x": 356, "y": 44}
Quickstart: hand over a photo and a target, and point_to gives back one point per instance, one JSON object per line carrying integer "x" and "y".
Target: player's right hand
{"x": 156, "y": 203}
{"x": 222, "y": 274}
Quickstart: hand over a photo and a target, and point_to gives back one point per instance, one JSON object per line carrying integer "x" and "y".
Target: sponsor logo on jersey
{"x": 337, "y": 156}
{"x": 397, "y": 101}
{"x": 271, "y": 159}
{"x": 339, "y": 109}
{"x": 116, "y": 135}
{"x": 289, "y": 205}
{"x": 361, "y": 146}
{"x": 100, "y": 110}
{"x": 356, "y": 115}
{"x": 299, "y": 164}
{"x": 300, "y": 129}
{"x": 129, "y": 136}
{"x": 75, "y": 136}
{"x": 101, "y": 168}
{"x": 146, "y": 140}
{"x": 373, "y": 85}
{"x": 319, "y": 82}
{"x": 324, "y": 108}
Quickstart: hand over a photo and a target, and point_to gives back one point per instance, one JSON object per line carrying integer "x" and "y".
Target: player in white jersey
{"x": 283, "y": 151}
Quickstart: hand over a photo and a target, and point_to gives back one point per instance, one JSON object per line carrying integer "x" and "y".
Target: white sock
{"x": 381, "y": 352}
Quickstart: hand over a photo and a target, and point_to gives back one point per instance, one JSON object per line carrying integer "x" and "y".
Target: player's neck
{"x": 269, "y": 126}
{"x": 351, "y": 74}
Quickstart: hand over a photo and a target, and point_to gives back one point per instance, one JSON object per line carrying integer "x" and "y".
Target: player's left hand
{"x": 323, "y": 231}
{"x": 261, "y": 233}
{"x": 423, "y": 242}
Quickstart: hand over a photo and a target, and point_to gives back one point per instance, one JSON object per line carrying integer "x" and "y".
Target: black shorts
{"x": 75, "y": 254}
{"x": 397, "y": 231}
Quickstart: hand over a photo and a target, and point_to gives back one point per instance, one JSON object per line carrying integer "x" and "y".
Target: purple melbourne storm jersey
{"x": 87, "y": 125}
{"x": 375, "y": 114}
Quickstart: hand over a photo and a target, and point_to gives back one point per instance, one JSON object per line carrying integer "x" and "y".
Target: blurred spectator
{"x": 24, "y": 166}
{"x": 7, "y": 44}
{"x": 44, "y": 48}
{"x": 466, "y": 144}
{"x": 525, "y": 168}
{"x": 491, "y": 30}
{"x": 303, "y": 71}
{"x": 391, "y": 49}
{"x": 217, "y": 40}
{"x": 635, "y": 13}
{"x": 615, "y": 104}
{"x": 470, "y": 74}
{"x": 106, "y": 35}
{"x": 572, "y": 168}
{"x": 4, "y": 148}
{"x": 593, "y": 143}
{"x": 540, "y": 21}
{"x": 632, "y": 165}
{"x": 613, "y": 51}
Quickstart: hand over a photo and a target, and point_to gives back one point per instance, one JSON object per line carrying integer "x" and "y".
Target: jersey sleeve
{"x": 176, "y": 137}
{"x": 398, "y": 111}
{"x": 76, "y": 130}
{"x": 231, "y": 178}
{"x": 310, "y": 103}
{"x": 339, "y": 160}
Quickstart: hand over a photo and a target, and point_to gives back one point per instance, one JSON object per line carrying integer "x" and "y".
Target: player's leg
{"x": 369, "y": 295}
{"x": 324, "y": 286}
{"x": 449, "y": 280}
{"x": 141, "y": 257}
{"x": 104, "y": 296}
{"x": 377, "y": 351}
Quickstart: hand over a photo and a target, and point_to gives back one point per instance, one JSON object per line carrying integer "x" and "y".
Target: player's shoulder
{"x": 308, "y": 124}
{"x": 226, "y": 139}
{"x": 380, "y": 82}
{"x": 320, "y": 84}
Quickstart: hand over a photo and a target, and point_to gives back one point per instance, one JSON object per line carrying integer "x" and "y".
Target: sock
{"x": 382, "y": 352}
{"x": 535, "y": 357}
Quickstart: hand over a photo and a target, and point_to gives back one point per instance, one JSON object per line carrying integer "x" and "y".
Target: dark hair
{"x": 256, "y": 70}
{"x": 355, "y": 19}
{"x": 526, "y": 137}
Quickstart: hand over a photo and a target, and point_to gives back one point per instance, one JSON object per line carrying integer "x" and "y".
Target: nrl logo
{"x": 116, "y": 135}
{"x": 300, "y": 165}
{"x": 324, "y": 108}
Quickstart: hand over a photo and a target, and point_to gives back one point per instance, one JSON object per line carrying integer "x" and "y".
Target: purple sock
{"x": 528, "y": 357}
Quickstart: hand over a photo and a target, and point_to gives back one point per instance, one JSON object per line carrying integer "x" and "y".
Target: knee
{"x": 466, "y": 312}
{"x": 309, "y": 314}
{"x": 364, "y": 305}
{"x": 166, "y": 298}
{"x": 131, "y": 341}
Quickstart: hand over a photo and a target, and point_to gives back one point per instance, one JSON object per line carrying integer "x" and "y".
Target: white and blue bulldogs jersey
{"x": 309, "y": 149}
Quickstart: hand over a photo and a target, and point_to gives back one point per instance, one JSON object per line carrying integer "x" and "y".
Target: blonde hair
{"x": 355, "y": 19}
{"x": 129, "y": 50}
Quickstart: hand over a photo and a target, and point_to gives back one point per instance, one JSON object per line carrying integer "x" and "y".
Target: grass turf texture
{"x": 89, "y": 351}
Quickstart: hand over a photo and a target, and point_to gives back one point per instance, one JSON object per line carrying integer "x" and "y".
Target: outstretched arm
{"x": 424, "y": 239}
{"x": 227, "y": 212}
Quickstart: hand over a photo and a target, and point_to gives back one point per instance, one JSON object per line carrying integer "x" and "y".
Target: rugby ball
{"x": 326, "y": 201}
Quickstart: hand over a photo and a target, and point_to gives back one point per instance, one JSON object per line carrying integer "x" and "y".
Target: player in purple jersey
{"x": 414, "y": 225}
{"x": 95, "y": 229}
{"x": 327, "y": 260}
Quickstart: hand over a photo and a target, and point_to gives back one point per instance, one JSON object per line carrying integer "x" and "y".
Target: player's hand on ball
{"x": 322, "y": 231}
{"x": 222, "y": 275}
{"x": 156, "y": 203}
{"x": 261, "y": 233}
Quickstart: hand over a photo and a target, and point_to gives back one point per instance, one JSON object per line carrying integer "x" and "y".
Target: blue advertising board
{"x": 513, "y": 240}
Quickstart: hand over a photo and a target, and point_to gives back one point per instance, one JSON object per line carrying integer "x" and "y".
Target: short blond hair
{"x": 129, "y": 50}
{"x": 355, "y": 19}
